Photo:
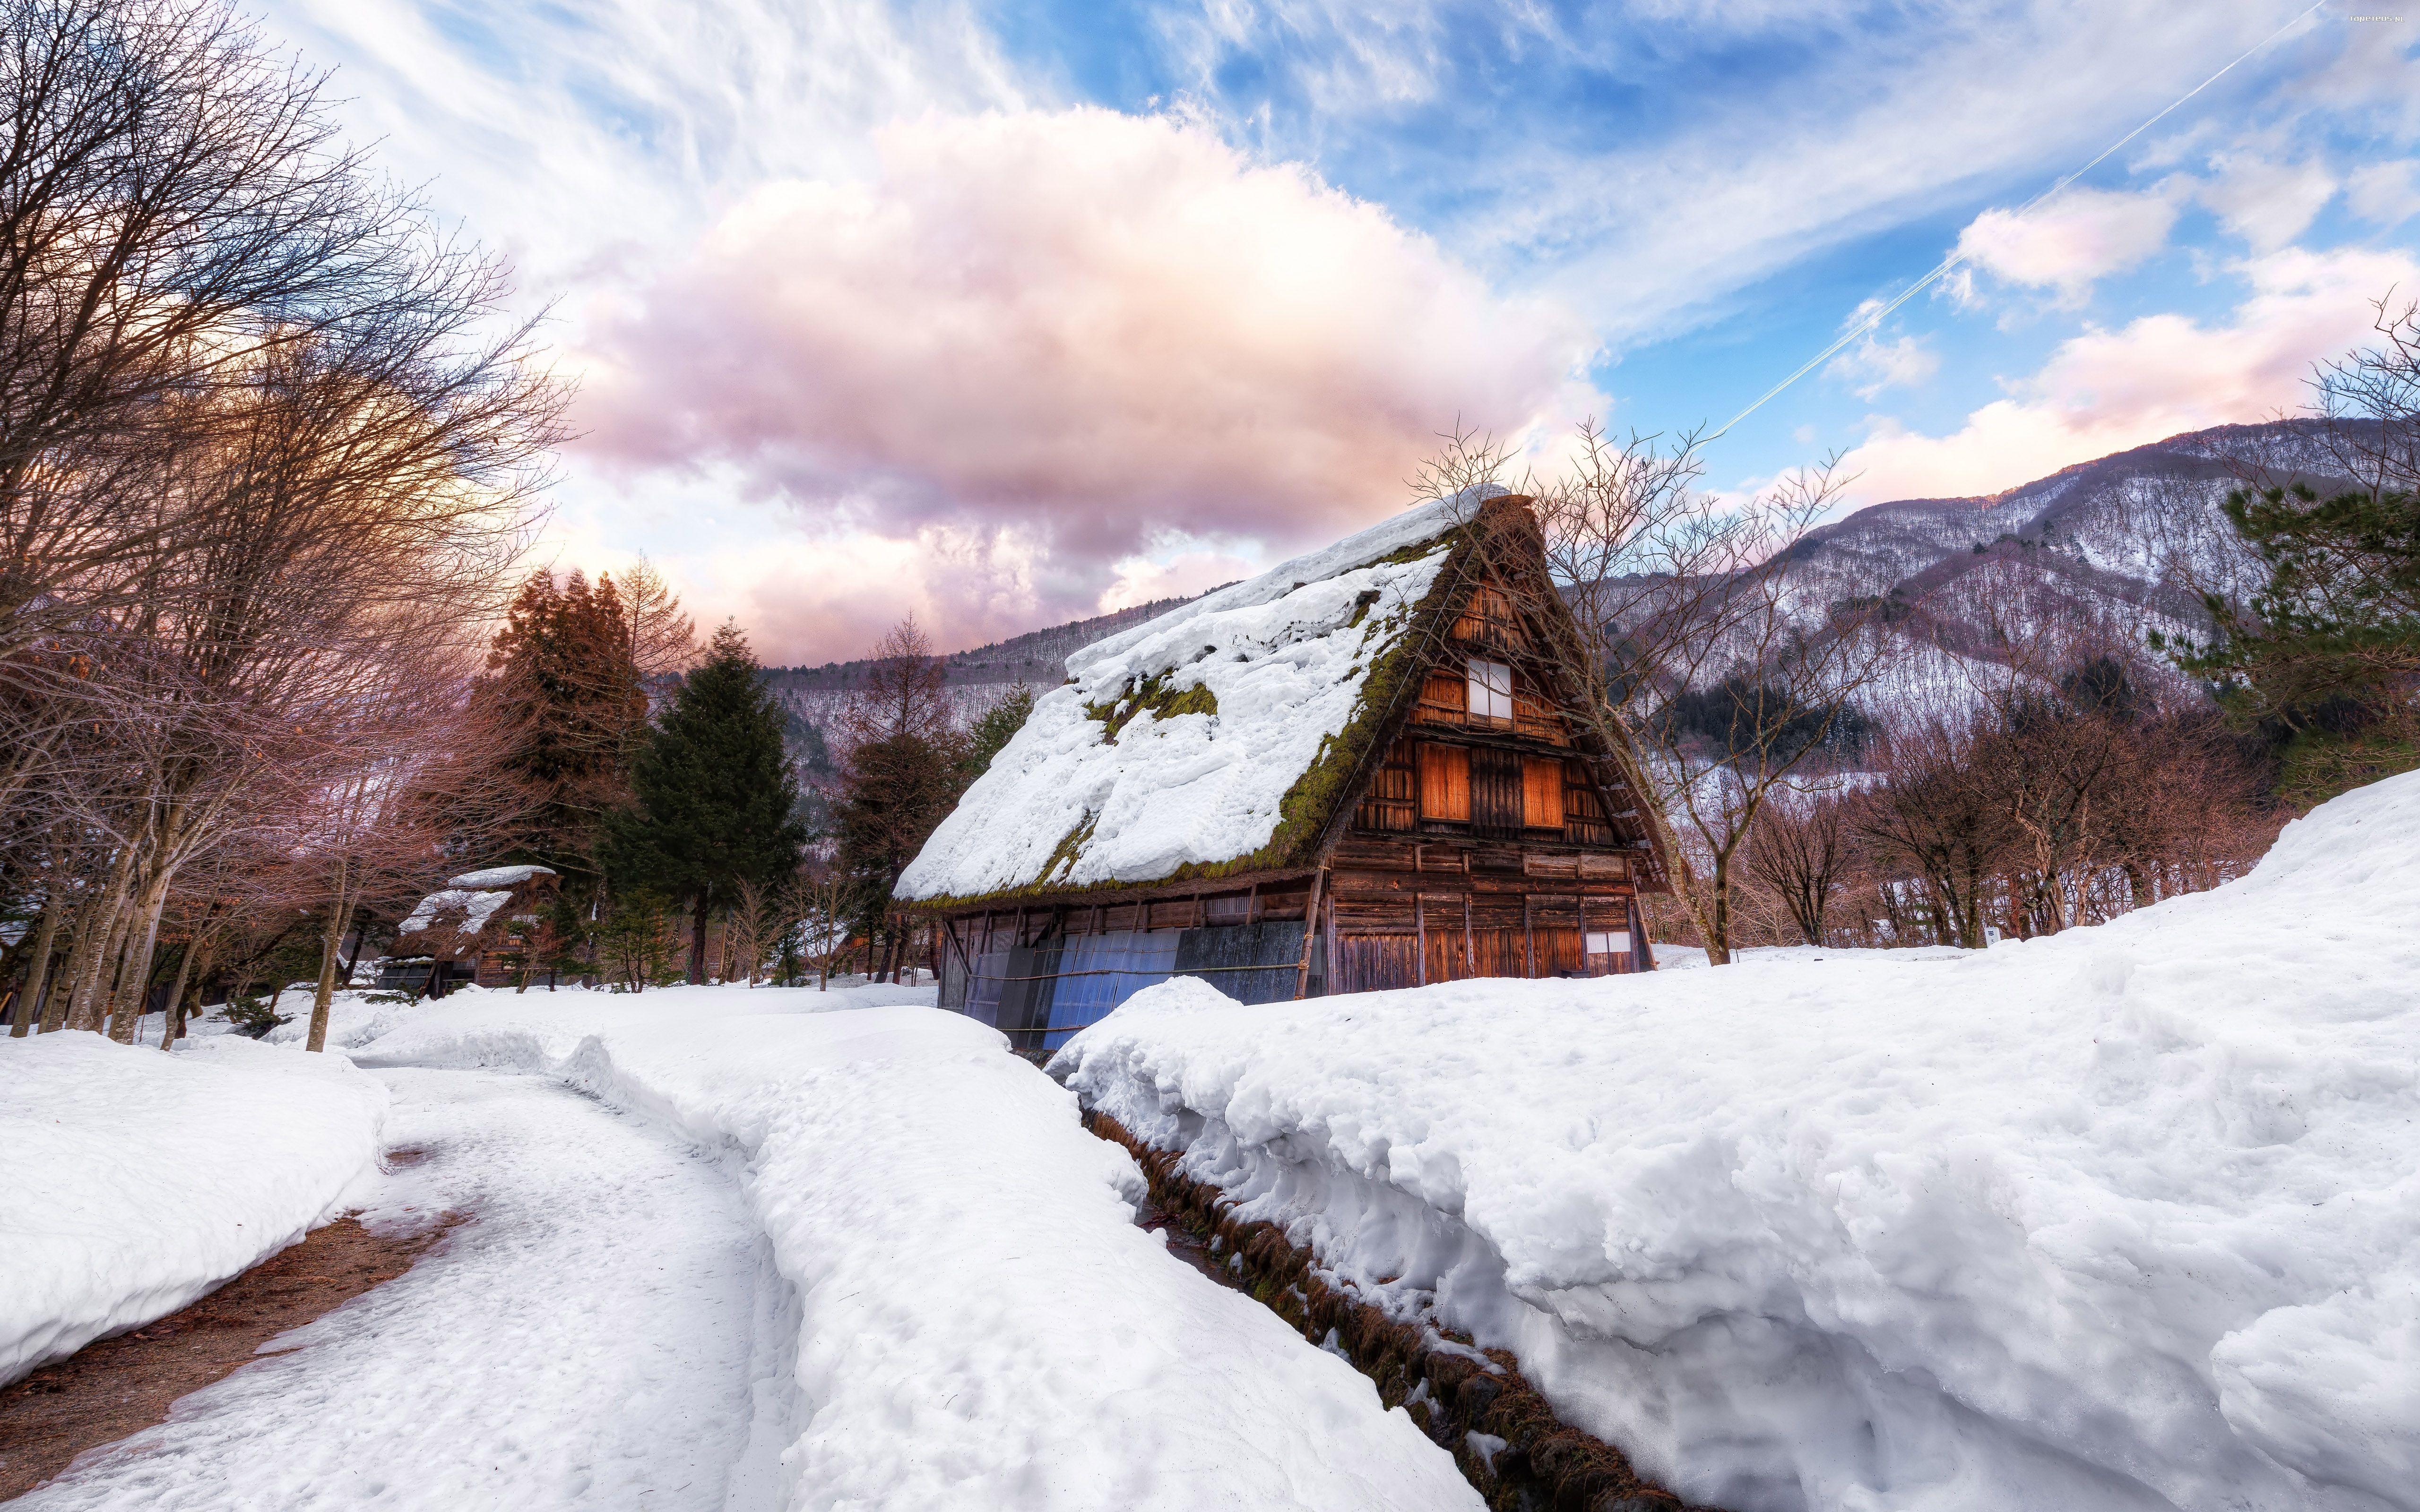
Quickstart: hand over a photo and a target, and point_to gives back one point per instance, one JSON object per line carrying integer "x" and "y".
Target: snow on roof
{"x": 1175, "y": 743}
{"x": 500, "y": 876}
{"x": 476, "y": 907}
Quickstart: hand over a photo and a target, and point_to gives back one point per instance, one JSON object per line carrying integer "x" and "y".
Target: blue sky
{"x": 1006, "y": 313}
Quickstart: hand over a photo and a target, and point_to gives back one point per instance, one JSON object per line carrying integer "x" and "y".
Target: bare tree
{"x": 174, "y": 210}
{"x": 1672, "y": 591}
{"x": 1803, "y": 853}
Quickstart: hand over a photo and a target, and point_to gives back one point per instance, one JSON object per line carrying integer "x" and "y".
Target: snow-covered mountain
{"x": 2091, "y": 557}
{"x": 2129, "y": 536}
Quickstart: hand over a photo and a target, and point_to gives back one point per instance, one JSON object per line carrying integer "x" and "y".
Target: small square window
{"x": 1490, "y": 689}
{"x": 1612, "y": 942}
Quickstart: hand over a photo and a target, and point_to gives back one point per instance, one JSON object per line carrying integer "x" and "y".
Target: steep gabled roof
{"x": 451, "y": 921}
{"x": 1215, "y": 740}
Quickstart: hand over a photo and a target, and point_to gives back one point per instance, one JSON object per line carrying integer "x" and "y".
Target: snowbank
{"x": 977, "y": 1321}
{"x": 139, "y": 1181}
{"x": 2126, "y": 1218}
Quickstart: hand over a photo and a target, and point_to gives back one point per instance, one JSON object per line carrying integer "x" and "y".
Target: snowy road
{"x": 585, "y": 1341}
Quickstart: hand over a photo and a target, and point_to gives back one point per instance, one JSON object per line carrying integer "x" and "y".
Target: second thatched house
{"x": 469, "y": 931}
{"x": 1359, "y": 770}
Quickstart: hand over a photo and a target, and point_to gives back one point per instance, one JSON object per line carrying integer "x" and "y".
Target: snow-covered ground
{"x": 138, "y": 1180}
{"x": 764, "y": 1248}
{"x": 1690, "y": 957}
{"x": 2125, "y": 1218}
{"x": 974, "y": 1320}
{"x": 584, "y": 1340}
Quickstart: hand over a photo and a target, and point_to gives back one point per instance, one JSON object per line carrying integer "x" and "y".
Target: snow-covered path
{"x": 583, "y": 1341}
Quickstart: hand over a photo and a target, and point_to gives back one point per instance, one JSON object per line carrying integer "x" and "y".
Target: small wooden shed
{"x": 1358, "y": 771}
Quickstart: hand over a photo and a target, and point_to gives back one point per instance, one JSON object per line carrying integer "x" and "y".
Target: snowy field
{"x": 2128, "y": 1218}
{"x": 750, "y": 1249}
{"x": 138, "y": 1180}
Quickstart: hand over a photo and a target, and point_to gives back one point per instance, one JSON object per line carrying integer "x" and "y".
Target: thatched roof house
{"x": 1358, "y": 770}
{"x": 461, "y": 931}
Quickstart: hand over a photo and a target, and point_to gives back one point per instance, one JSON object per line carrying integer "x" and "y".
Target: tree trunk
{"x": 172, "y": 1022}
{"x": 191, "y": 1002}
{"x": 134, "y": 982}
{"x": 330, "y": 938}
{"x": 352, "y": 961}
{"x": 38, "y": 970}
{"x": 99, "y": 975}
{"x": 697, "y": 942}
{"x": 96, "y": 930}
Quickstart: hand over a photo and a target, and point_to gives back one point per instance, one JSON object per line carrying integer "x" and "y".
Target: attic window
{"x": 1490, "y": 689}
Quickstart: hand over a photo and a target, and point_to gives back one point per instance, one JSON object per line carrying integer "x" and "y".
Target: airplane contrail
{"x": 1942, "y": 268}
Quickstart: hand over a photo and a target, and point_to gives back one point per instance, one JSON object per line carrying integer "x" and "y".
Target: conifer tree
{"x": 716, "y": 797}
{"x": 995, "y": 728}
{"x": 567, "y": 690}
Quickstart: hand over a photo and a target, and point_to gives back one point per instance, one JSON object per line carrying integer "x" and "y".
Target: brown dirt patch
{"x": 117, "y": 1386}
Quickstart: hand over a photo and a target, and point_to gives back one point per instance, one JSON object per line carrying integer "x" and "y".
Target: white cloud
{"x": 1871, "y": 366}
{"x": 1140, "y": 578}
{"x": 1086, "y": 329}
{"x": 584, "y": 139}
{"x": 2071, "y": 241}
{"x": 2106, "y": 391}
{"x": 2266, "y": 202}
{"x": 2385, "y": 193}
{"x": 1868, "y": 136}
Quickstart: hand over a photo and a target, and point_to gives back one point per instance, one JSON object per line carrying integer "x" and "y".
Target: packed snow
{"x": 948, "y": 1300}
{"x": 2124, "y": 1218}
{"x": 1285, "y": 655}
{"x": 751, "y": 1248}
{"x": 139, "y": 1181}
{"x": 584, "y": 1338}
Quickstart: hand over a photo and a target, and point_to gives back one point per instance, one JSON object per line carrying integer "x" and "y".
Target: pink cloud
{"x": 2071, "y": 241}
{"x": 1091, "y": 330}
{"x": 2107, "y": 390}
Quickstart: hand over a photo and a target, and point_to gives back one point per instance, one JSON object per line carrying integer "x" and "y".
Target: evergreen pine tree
{"x": 994, "y": 729}
{"x": 716, "y": 797}
{"x": 2326, "y": 655}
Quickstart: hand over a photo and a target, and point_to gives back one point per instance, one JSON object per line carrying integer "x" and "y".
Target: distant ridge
{"x": 2116, "y": 542}
{"x": 1037, "y": 656}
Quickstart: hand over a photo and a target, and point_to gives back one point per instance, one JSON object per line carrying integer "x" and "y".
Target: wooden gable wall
{"x": 1483, "y": 843}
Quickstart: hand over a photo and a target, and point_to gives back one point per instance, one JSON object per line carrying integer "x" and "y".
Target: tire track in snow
{"x": 585, "y": 1341}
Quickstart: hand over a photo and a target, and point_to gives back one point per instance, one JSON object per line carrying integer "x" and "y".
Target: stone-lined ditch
{"x": 1472, "y": 1402}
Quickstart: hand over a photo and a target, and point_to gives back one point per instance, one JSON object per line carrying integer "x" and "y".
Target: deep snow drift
{"x": 2126, "y": 1218}
{"x": 971, "y": 1317}
{"x": 137, "y": 1180}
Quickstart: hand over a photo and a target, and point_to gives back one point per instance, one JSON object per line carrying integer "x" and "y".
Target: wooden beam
{"x": 1420, "y": 942}
{"x": 1310, "y": 932}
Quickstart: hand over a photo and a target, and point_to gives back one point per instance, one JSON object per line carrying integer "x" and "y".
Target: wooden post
{"x": 1529, "y": 938}
{"x": 1420, "y": 942}
{"x": 1335, "y": 964}
{"x": 1469, "y": 945}
{"x": 1309, "y": 930}
{"x": 1586, "y": 969}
